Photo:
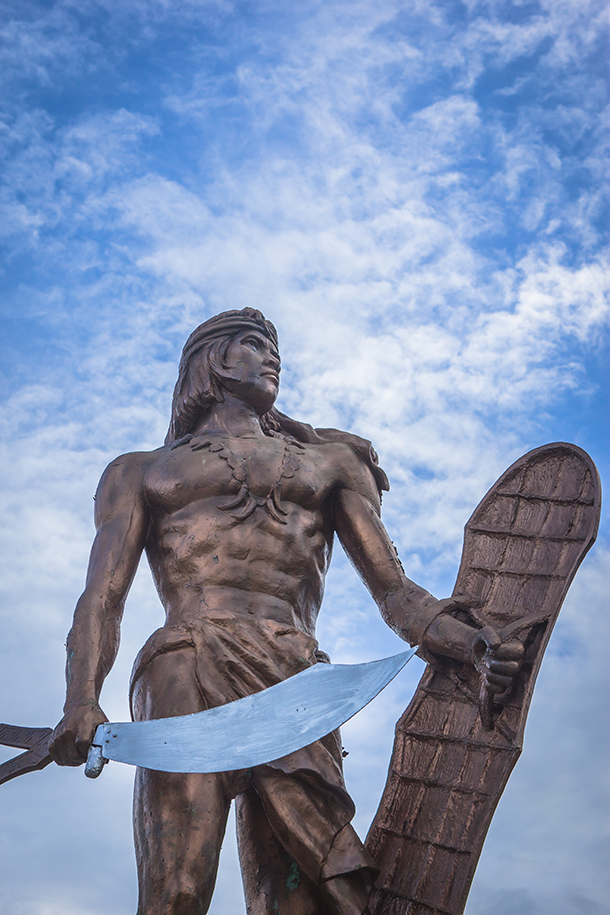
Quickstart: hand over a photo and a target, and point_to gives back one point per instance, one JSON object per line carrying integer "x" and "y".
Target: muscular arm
{"x": 121, "y": 521}
{"x": 405, "y": 607}
{"x": 409, "y": 610}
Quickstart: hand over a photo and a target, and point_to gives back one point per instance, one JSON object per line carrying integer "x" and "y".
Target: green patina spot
{"x": 293, "y": 880}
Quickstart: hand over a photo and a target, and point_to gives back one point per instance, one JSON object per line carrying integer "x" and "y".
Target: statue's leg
{"x": 302, "y": 866}
{"x": 179, "y": 825}
{"x": 347, "y": 894}
{"x": 273, "y": 881}
{"x": 179, "y": 820}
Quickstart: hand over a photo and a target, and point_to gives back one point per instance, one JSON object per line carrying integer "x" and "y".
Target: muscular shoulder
{"x": 360, "y": 447}
{"x": 352, "y": 472}
{"x": 121, "y": 485}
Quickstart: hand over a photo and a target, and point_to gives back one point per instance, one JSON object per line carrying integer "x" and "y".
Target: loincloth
{"x": 303, "y": 794}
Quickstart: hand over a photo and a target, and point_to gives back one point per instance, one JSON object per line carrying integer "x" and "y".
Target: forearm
{"x": 406, "y": 607}
{"x": 92, "y": 646}
{"x": 449, "y": 638}
{"x": 423, "y": 620}
{"x": 409, "y": 609}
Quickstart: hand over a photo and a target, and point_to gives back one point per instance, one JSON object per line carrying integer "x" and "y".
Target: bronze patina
{"x": 237, "y": 513}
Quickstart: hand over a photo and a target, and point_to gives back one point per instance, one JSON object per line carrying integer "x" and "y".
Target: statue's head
{"x": 221, "y": 357}
{"x": 224, "y": 354}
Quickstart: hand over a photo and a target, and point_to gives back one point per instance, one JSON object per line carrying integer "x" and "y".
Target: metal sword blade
{"x": 254, "y": 730}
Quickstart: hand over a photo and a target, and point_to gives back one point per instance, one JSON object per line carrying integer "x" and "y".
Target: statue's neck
{"x": 233, "y": 418}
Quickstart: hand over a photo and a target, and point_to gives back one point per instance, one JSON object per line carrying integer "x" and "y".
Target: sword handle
{"x": 95, "y": 762}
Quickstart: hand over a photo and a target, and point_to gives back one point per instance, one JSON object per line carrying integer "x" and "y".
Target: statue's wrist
{"x": 411, "y": 613}
{"x": 447, "y": 637}
{"x": 81, "y": 703}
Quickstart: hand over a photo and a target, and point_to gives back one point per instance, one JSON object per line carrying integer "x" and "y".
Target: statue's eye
{"x": 253, "y": 342}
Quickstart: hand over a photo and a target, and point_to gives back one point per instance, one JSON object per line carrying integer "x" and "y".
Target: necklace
{"x": 245, "y": 502}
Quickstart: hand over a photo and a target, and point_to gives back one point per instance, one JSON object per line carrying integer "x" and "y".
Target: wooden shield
{"x": 452, "y": 756}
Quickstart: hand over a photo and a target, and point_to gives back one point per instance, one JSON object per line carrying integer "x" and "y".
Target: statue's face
{"x": 252, "y": 370}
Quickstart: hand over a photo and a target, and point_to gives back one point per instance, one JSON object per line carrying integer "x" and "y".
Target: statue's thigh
{"x": 179, "y": 819}
{"x": 168, "y": 686}
{"x": 179, "y": 825}
{"x": 273, "y": 882}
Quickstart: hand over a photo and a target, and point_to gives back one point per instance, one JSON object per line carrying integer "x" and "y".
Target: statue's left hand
{"x": 497, "y": 662}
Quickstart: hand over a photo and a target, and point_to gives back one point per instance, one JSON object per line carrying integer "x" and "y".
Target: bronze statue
{"x": 237, "y": 514}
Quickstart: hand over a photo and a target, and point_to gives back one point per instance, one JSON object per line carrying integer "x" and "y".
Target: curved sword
{"x": 241, "y": 734}
{"x": 250, "y": 731}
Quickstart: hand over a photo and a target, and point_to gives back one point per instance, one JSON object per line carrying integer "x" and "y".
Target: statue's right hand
{"x": 71, "y": 739}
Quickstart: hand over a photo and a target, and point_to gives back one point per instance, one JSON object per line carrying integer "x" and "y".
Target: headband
{"x": 226, "y": 324}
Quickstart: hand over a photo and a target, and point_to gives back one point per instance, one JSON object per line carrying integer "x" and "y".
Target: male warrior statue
{"x": 237, "y": 514}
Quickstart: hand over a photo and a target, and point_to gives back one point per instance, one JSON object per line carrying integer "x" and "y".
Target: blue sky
{"x": 414, "y": 193}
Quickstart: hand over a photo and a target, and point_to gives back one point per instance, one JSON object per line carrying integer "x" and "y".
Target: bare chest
{"x": 241, "y": 475}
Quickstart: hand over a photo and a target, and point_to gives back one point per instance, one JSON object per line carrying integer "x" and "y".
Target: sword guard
{"x": 95, "y": 761}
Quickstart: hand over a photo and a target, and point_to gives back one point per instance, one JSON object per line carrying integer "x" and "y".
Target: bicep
{"x": 121, "y": 519}
{"x": 357, "y": 521}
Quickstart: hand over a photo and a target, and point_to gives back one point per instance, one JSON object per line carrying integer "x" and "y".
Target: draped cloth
{"x": 303, "y": 794}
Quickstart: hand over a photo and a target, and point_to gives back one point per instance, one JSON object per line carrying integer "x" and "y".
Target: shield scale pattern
{"x": 451, "y": 761}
